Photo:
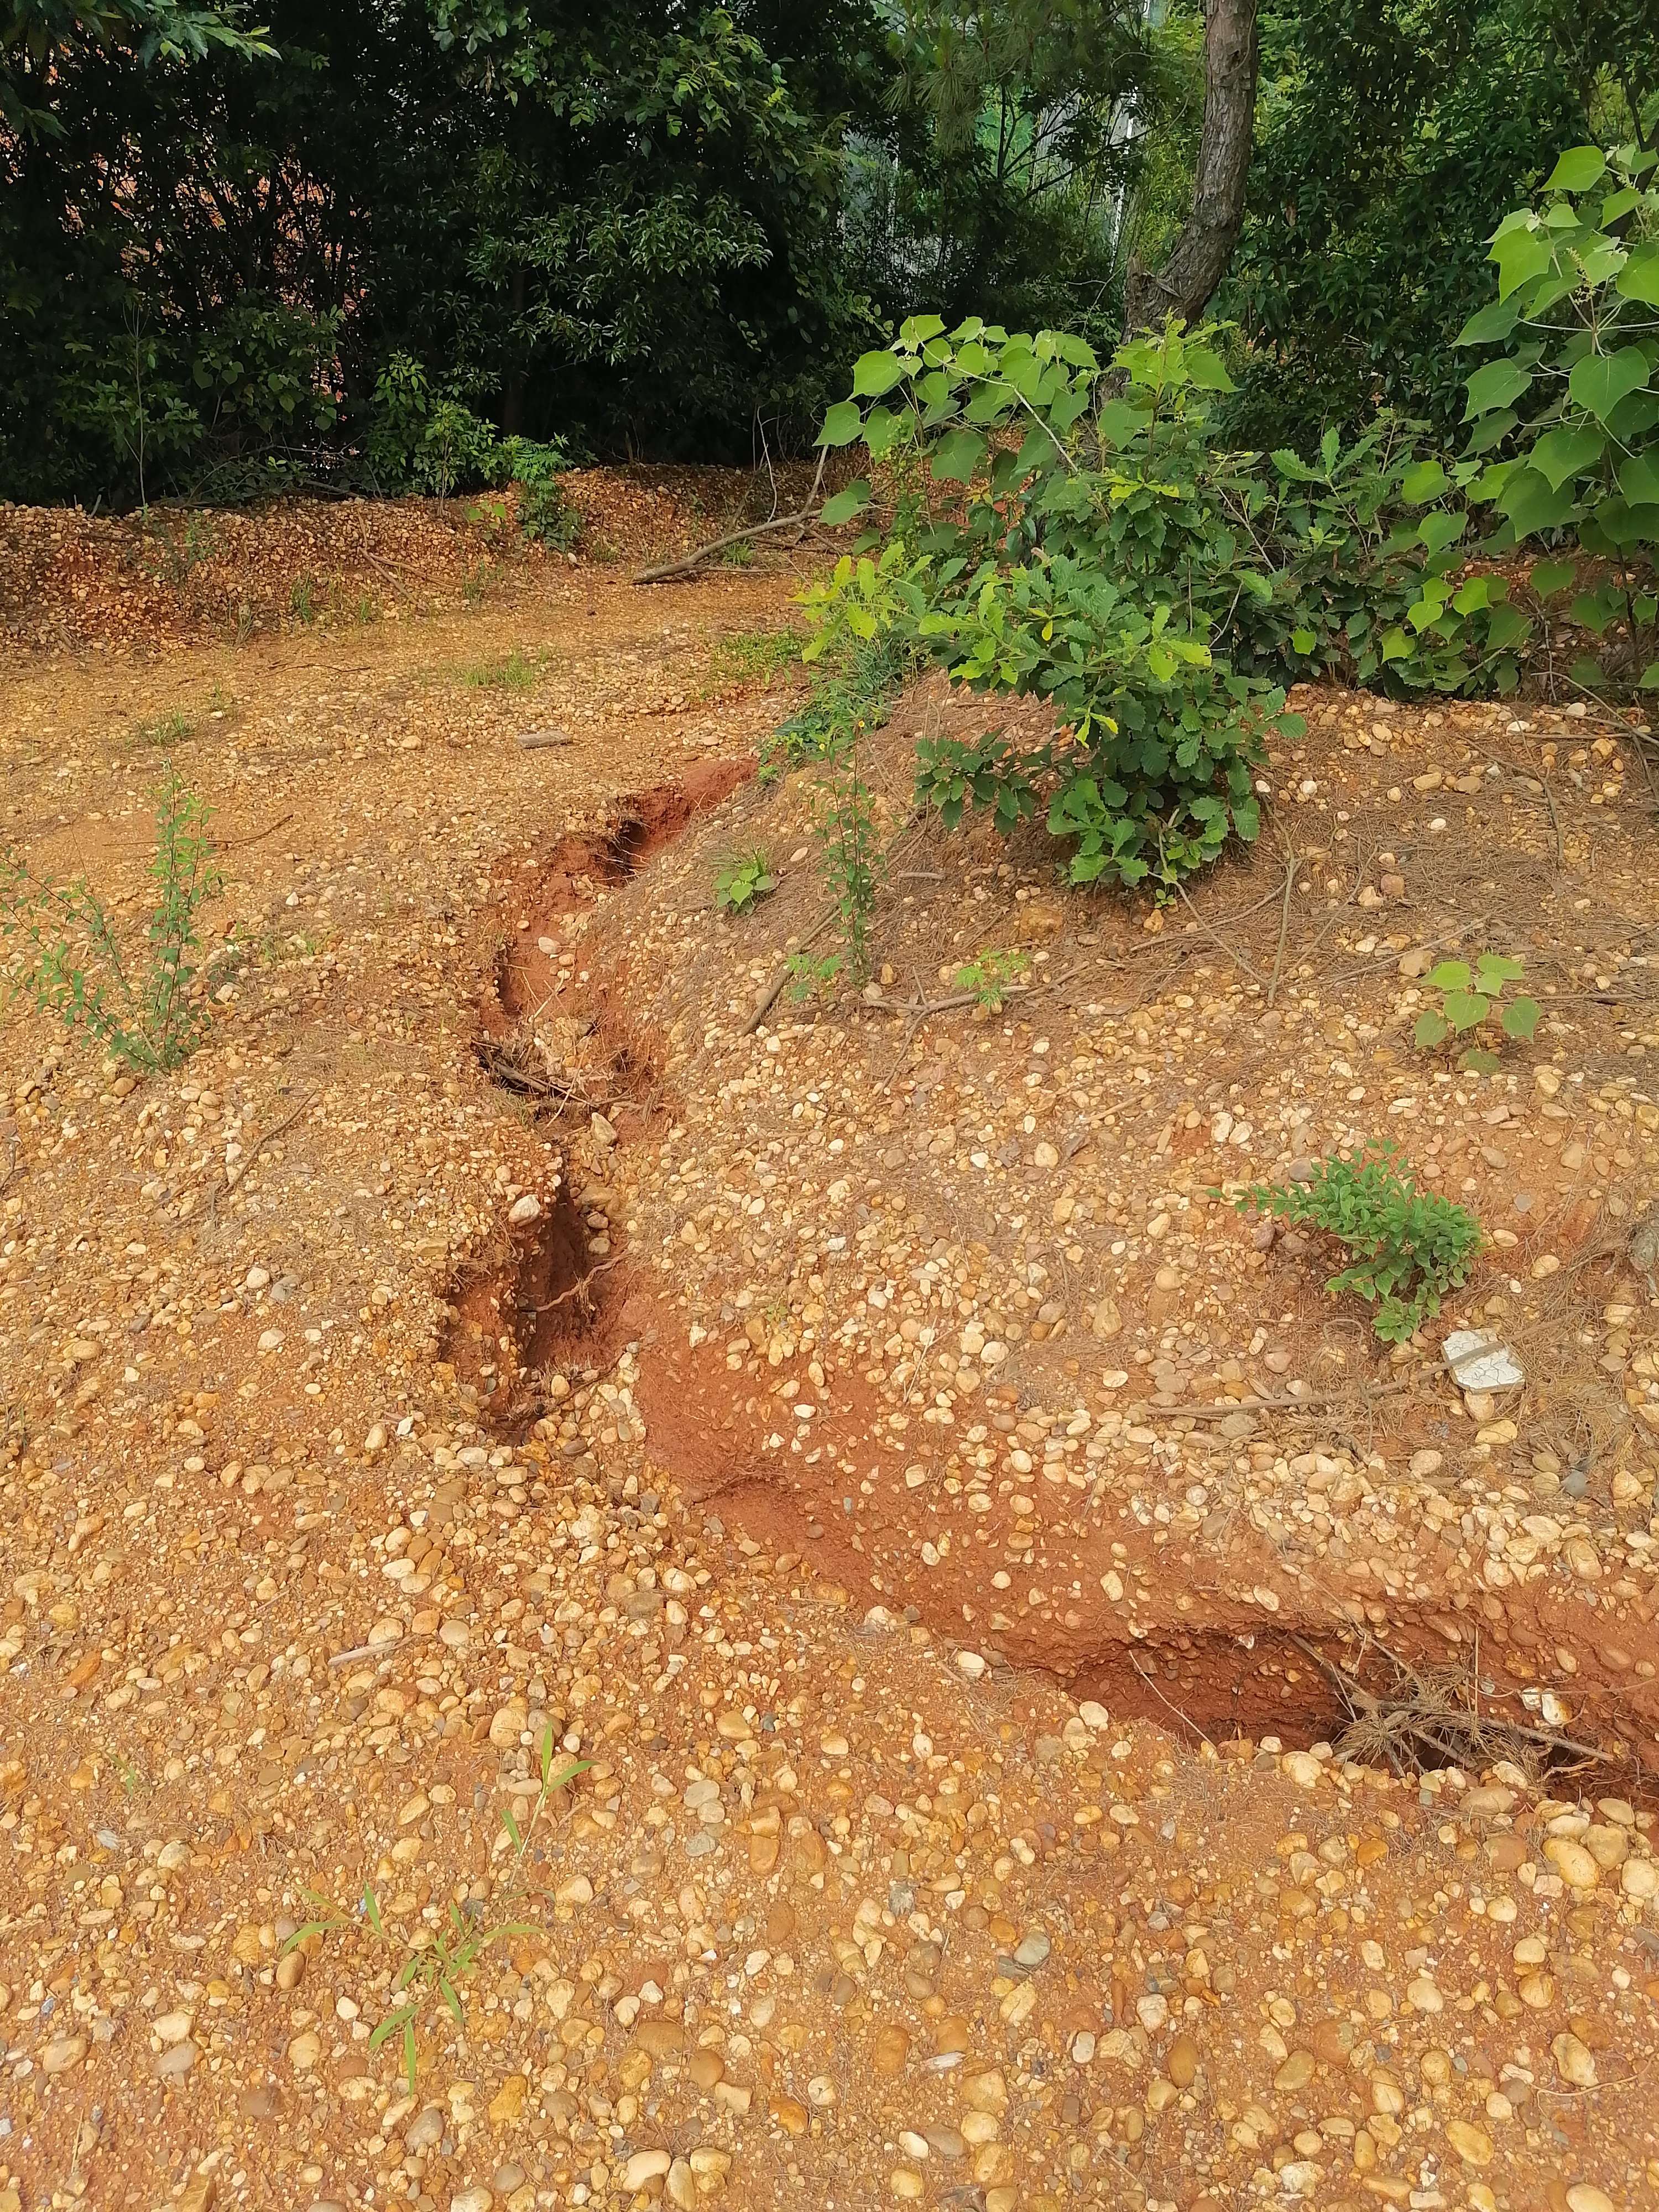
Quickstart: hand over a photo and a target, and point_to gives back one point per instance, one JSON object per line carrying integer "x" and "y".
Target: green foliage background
{"x": 383, "y": 231}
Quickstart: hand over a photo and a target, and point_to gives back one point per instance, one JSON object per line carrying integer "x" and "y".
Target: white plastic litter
{"x": 1479, "y": 1361}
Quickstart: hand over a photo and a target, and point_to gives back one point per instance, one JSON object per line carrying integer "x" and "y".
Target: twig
{"x": 1283, "y": 923}
{"x": 1216, "y": 939}
{"x": 234, "y": 844}
{"x": 255, "y": 1149}
{"x": 366, "y": 1652}
{"x": 1363, "y": 1396}
{"x": 1186, "y": 1719}
{"x": 689, "y": 561}
{"x": 1526, "y": 776}
{"x": 580, "y": 1284}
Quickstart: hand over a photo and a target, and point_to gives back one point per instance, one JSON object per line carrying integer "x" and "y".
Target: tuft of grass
{"x": 440, "y": 1961}
{"x": 754, "y": 656}
{"x": 515, "y": 673}
{"x": 171, "y": 730}
{"x": 851, "y": 693}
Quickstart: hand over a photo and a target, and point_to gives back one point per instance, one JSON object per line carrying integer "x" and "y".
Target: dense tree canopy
{"x": 240, "y": 250}
{"x": 642, "y": 225}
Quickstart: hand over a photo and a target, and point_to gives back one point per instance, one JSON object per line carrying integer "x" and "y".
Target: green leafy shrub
{"x": 546, "y": 512}
{"x": 1055, "y": 547}
{"x": 428, "y": 440}
{"x": 1570, "y": 409}
{"x": 1409, "y": 1246}
{"x": 1466, "y": 998}
{"x": 991, "y": 974}
{"x": 742, "y": 879}
{"x": 70, "y": 961}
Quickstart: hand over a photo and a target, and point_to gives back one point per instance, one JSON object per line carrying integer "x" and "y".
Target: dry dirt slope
{"x": 833, "y": 1911}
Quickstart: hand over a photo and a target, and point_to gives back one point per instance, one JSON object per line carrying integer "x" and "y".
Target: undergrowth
{"x": 139, "y": 1003}
{"x": 438, "y": 1961}
{"x": 1409, "y": 1246}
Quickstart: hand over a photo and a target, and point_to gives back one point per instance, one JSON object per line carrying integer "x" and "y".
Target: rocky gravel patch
{"x": 311, "y": 1601}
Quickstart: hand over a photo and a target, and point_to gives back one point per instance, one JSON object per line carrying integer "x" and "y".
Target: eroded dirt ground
{"x": 951, "y": 1541}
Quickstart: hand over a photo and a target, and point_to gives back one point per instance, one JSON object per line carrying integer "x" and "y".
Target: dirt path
{"x": 376, "y": 1426}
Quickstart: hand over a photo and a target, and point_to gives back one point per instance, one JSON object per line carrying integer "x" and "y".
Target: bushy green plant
{"x": 1571, "y": 408}
{"x": 991, "y": 974}
{"x": 1409, "y": 1246}
{"x": 70, "y": 961}
{"x": 1466, "y": 998}
{"x": 546, "y": 512}
{"x": 742, "y": 879}
{"x": 1065, "y": 545}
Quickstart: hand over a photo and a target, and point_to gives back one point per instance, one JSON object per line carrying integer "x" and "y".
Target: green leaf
{"x": 1467, "y": 1009}
{"x": 1639, "y": 479}
{"x": 874, "y": 373}
{"x": 512, "y": 1828}
{"x": 1601, "y": 380}
{"x": 1432, "y": 1028}
{"x": 1490, "y": 324}
{"x": 1520, "y": 1017}
{"x": 1578, "y": 170}
{"x": 1449, "y": 975}
{"x": 1639, "y": 277}
{"x": 1304, "y": 641}
{"x": 1439, "y": 529}
{"x": 1499, "y": 384}
{"x": 1521, "y": 255}
{"x": 1565, "y": 453}
{"x": 1650, "y": 678}
{"x": 841, "y": 424}
{"x": 1497, "y": 968}
{"x": 1530, "y": 504}
{"x": 1549, "y": 577}
{"x": 1426, "y": 481}
{"x": 845, "y": 503}
{"x": 957, "y": 456}
{"x": 1480, "y": 1063}
{"x": 372, "y": 1909}
{"x": 1207, "y": 370}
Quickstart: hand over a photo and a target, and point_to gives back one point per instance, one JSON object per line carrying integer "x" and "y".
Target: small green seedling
{"x": 1408, "y": 1246}
{"x": 439, "y": 1960}
{"x": 1467, "y": 999}
{"x": 742, "y": 879}
{"x": 991, "y": 974}
{"x": 809, "y": 976}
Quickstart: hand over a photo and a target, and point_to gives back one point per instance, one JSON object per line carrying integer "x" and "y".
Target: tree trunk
{"x": 1187, "y": 280}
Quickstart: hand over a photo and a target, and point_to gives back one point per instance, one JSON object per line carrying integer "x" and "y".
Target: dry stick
{"x": 1287, "y": 1405}
{"x": 578, "y": 1286}
{"x": 1526, "y": 776}
{"x": 1284, "y": 924}
{"x": 1217, "y": 940}
{"x": 1361, "y": 1700}
{"x": 366, "y": 1652}
{"x": 232, "y": 1176}
{"x": 267, "y": 1137}
{"x": 234, "y": 844}
{"x": 689, "y": 561}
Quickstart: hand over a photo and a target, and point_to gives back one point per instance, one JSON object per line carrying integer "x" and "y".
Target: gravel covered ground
{"x": 939, "y": 1531}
